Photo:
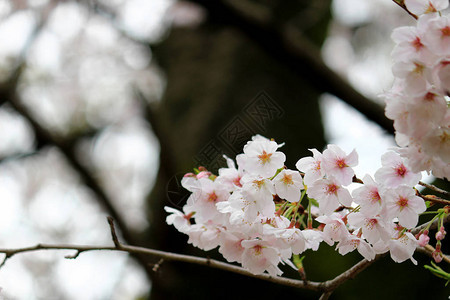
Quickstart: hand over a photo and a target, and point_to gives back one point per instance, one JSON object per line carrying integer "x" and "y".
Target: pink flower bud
{"x": 440, "y": 235}
{"x": 437, "y": 256}
{"x": 424, "y": 239}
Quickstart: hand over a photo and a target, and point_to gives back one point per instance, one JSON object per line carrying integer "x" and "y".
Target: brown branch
{"x": 435, "y": 188}
{"x": 167, "y": 256}
{"x": 434, "y": 199}
{"x": 331, "y": 285}
{"x": 401, "y": 3}
{"x": 326, "y": 287}
{"x": 428, "y": 250}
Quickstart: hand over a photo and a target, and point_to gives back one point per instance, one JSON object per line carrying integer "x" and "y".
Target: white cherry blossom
{"x": 288, "y": 185}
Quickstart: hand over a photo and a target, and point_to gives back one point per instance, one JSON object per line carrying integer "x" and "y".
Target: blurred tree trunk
{"x": 221, "y": 90}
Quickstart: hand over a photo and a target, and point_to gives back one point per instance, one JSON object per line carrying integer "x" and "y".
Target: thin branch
{"x": 432, "y": 225}
{"x": 401, "y": 3}
{"x": 167, "y": 256}
{"x": 113, "y": 233}
{"x": 428, "y": 250}
{"x": 326, "y": 287}
{"x": 435, "y": 188}
{"x": 331, "y": 285}
{"x": 289, "y": 46}
{"x": 434, "y": 199}
{"x": 326, "y": 295}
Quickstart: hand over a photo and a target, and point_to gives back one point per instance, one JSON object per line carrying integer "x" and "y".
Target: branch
{"x": 434, "y": 199}
{"x": 331, "y": 285}
{"x": 428, "y": 250}
{"x": 435, "y": 188}
{"x": 432, "y": 224}
{"x": 326, "y": 287}
{"x": 164, "y": 256}
{"x": 401, "y": 3}
{"x": 286, "y": 44}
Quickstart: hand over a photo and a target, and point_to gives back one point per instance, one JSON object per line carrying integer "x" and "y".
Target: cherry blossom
{"x": 373, "y": 228}
{"x": 262, "y": 157}
{"x": 368, "y": 196}
{"x": 335, "y": 229}
{"x": 312, "y": 166}
{"x": 394, "y": 172}
{"x": 288, "y": 185}
{"x": 402, "y": 203}
{"x": 330, "y": 195}
{"x": 258, "y": 256}
{"x": 260, "y": 220}
{"x": 178, "y": 219}
{"x": 352, "y": 242}
{"x": 419, "y": 7}
{"x": 403, "y": 247}
{"x": 337, "y": 163}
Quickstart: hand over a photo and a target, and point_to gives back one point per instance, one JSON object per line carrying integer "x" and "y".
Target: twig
{"x": 326, "y": 287}
{"x": 113, "y": 233}
{"x": 428, "y": 250}
{"x": 402, "y": 5}
{"x": 326, "y": 295}
{"x": 435, "y": 188}
{"x": 331, "y": 285}
{"x": 432, "y": 225}
{"x": 167, "y": 256}
{"x": 434, "y": 199}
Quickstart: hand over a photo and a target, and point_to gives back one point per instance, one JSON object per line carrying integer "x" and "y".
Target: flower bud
{"x": 440, "y": 235}
{"x": 424, "y": 239}
{"x": 437, "y": 256}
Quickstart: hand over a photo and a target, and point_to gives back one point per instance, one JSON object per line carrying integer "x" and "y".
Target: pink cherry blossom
{"x": 330, "y": 195}
{"x": 260, "y": 256}
{"x": 437, "y": 143}
{"x": 414, "y": 72}
{"x": 313, "y": 238}
{"x": 230, "y": 246}
{"x": 230, "y": 177}
{"x": 424, "y": 239}
{"x": 352, "y": 242}
{"x": 373, "y": 227}
{"x": 402, "y": 203}
{"x": 438, "y": 35}
{"x": 368, "y": 197}
{"x": 335, "y": 229}
{"x": 258, "y": 192}
{"x": 419, "y": 7}
{"x": 403, "y": 247}
{"x": 394, "y": 172}
{"x": 288, "y": 185}
{"x": 287, "y": 236}
{"x": 312, "y": 166}
{"x": 178, "y": 219}
{"x": 337, "y": 163}
{"x": 204, "y": 198}
{"x": 205, "y": 235}
{"x": 409, "y": 44}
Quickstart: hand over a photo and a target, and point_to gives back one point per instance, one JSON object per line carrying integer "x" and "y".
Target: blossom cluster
{"x": 261, "y": 214}
{"x": 418, "y": 100}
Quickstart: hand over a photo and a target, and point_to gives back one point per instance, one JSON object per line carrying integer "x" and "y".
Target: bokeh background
{"x": 105, "y": 104}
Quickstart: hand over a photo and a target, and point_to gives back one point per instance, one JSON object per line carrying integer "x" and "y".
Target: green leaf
{"x": 314, "y": 202}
